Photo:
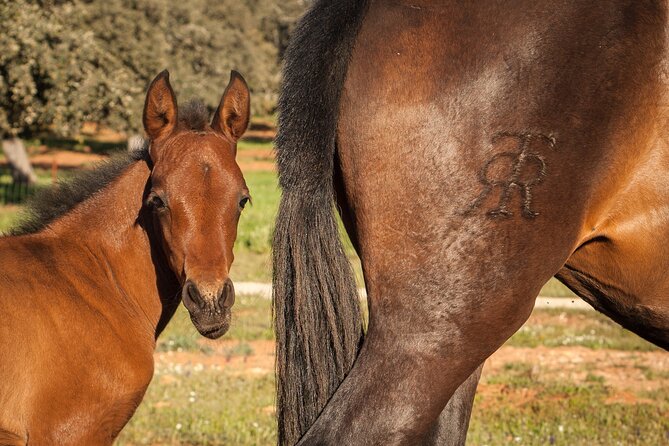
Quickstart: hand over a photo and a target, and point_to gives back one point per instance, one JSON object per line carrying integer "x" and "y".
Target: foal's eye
{"x": 243, "y": 202}
{"x": 155, "y": 202}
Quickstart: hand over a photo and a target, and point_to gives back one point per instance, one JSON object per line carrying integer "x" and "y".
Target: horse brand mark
{"x": 513, "y": 170}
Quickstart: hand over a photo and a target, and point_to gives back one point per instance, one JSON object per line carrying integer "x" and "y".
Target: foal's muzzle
{"x": 209, "y": 306}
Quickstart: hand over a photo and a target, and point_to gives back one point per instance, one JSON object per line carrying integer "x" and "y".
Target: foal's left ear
{"x": 233, "y": 113}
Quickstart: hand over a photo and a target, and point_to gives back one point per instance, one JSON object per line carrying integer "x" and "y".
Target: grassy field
{"x": 567, "y": 378}
{"x": 211, "y": 392}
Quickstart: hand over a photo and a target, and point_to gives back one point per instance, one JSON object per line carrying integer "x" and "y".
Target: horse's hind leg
{"x": 430, "y": 328}
{"x": 451, "y": 427}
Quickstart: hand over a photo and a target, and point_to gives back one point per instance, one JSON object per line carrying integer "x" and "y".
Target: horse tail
{"x": 315, "y": 304}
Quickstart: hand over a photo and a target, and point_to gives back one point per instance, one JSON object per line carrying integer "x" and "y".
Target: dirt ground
{"x": 256, "y": 159}
{"x": 624, "y": 372}
{"x": 65, "y": 159}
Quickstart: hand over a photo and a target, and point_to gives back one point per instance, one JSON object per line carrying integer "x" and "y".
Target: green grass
{"x": 563, "y": 413}
{"x": 245, "y": 144}
{"x": 554, "y": 288}
{"x": 193, "y": 406}
{"x": 257, "y": 220}
{"x": 242, "y": 349}
{"x": 8, "y": 217}
{"x": 188, "y": 406}
{"x": 557, "y": 328}
{"x": 251, "y": 321}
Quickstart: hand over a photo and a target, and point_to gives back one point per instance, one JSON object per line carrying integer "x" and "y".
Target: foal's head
{"x": 197, "y": 193}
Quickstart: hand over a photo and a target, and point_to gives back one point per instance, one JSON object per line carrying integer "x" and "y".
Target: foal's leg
{"x": 451, "y": 427}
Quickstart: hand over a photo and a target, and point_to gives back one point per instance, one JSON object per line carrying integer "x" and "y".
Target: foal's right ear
{"x": 233, "y": 113}
{"x": 160, "y": 107}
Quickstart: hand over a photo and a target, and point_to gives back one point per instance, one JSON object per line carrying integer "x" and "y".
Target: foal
{"x": 93, "y": 277}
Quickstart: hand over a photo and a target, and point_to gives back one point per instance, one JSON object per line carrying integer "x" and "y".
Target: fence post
{"x": 54, "y": 169}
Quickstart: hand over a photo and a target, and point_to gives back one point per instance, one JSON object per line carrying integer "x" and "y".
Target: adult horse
{"x": 475, "y": 149}
{"x": 91, "y": 279}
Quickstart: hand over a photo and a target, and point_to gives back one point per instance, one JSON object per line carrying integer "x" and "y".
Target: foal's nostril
{"x": 193, "y": 293}
{"x": 227, "y": 297}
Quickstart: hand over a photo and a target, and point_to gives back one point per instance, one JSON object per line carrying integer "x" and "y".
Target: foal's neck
{"x": 110, "y": 231}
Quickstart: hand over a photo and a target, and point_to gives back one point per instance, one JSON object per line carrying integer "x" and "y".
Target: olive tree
{"x": 64, "y": 62}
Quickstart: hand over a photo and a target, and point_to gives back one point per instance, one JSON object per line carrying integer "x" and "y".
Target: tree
{"x": 52, "y": 77}
{"x": 69, "y": 61}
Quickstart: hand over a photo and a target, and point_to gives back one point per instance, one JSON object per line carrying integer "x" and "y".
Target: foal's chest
{"x": 92, "y": 406}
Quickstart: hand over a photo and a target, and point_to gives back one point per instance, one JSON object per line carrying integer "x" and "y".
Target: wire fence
{"x": 13, "y": 191}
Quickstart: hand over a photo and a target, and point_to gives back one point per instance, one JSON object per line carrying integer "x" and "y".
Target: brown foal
{"x": 90, "y": 280}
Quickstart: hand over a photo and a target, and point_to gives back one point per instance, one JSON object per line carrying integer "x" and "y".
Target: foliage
{"x": 49, "y": 75}
{"x": 69, "y": 61}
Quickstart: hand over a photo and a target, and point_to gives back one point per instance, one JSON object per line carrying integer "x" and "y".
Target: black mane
{"x": 59, "y": 199}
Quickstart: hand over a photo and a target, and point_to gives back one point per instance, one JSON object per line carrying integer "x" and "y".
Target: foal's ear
{"x": 232, "y": 114}
{"x": 160, "y": 107}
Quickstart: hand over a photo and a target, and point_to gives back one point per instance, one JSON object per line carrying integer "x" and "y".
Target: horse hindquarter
{"x": 475, "y": 143}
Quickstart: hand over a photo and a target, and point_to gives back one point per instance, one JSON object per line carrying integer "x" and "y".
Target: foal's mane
{"x": 59, "y": 199}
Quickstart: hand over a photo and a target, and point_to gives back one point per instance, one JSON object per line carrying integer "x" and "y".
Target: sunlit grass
{"x": 529, "y": 410}
{"x": 193, "y": 404}
{"x": 558, "y": 328}
{"x": 255, "y": 225}
{"x": 554, "y": 288}
{"x": 189, "y": 405}
{"x": 8, "y": 217}
{"x": 251, "y": 321}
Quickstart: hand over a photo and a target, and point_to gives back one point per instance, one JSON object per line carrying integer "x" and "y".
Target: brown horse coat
{"x": 481, "y": 148}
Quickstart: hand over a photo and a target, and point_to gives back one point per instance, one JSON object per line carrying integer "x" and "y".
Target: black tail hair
{"x": 315, "y": 304}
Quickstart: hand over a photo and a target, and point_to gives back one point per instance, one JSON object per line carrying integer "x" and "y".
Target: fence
{"x": 11, "y": 191}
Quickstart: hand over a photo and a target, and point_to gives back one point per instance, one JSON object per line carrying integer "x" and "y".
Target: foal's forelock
{"x": 194, "y": 116}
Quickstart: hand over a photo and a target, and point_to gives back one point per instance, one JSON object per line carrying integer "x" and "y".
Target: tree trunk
{"x": 17, "y": 158}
